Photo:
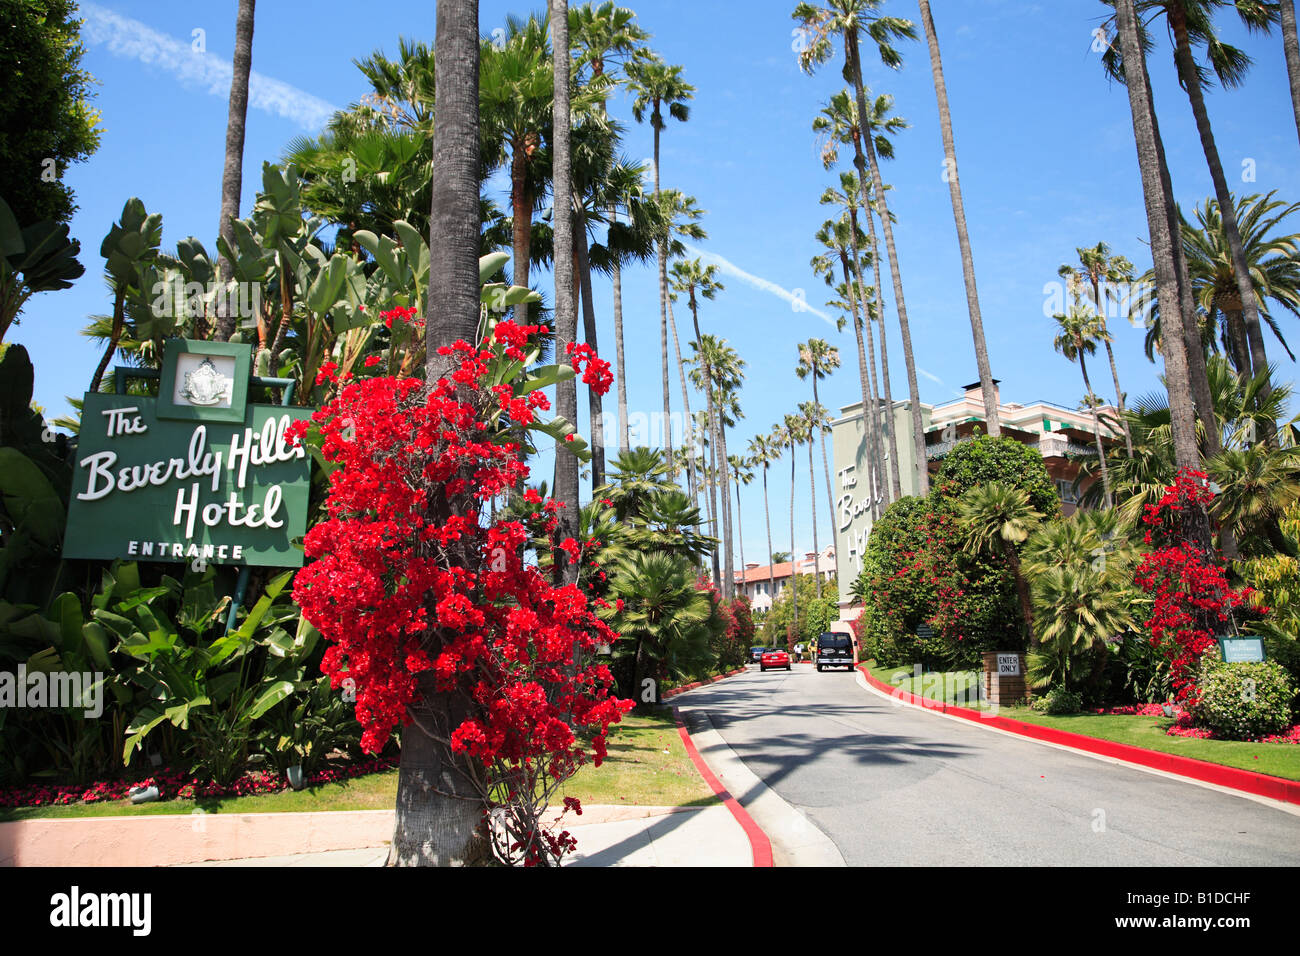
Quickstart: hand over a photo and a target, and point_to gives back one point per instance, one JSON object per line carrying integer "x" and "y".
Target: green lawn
{"x": 637, "y": 772}
{"x": 1278, "y": 760}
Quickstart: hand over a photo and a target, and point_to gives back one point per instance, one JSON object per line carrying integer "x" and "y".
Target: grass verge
{"x": 647, "y": 765}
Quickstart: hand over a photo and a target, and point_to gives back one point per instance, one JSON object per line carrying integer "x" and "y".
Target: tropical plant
{"x": 37, "y": 258}
{"x": 999, "y": 518}
{"x": 1080, "y": 330}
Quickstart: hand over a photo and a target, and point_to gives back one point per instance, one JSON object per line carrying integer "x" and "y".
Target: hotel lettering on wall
{"x": 196, "y": 473}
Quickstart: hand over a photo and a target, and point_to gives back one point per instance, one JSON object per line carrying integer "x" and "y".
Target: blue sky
{"x": 1044, "y": 143}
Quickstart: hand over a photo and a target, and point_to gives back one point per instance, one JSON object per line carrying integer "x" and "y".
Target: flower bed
{"x": 176, "y": 785}
{"x": 1184, "y": 727}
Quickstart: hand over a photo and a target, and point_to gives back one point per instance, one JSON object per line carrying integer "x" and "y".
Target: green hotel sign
{"x": 194, "y": 474}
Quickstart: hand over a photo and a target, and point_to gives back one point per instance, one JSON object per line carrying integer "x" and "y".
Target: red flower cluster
{"x": 1190, "y": 590}
{"x": 418, "y": 594}
{"x": 403, "y": 315}
{"x": 594, "y": 371}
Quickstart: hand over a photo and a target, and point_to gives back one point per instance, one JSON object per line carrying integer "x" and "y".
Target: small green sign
{"x": 155, "y": 485}
{"x": 1241, "y": 650}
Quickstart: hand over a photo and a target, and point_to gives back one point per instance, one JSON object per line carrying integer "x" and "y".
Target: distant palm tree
{"x": 794, "y": 432}
{"x": 742, "y": 472}
{"x": 232, "y": 174}
{"x": 818, "y": 358}
{"x": 763, "y": 451}
{"x": 814, "y": 418}
{"x": 726, "y": 370}
{"x": 655, "y": 86}
{"x": 850, "y": 20}
{"x": 1077, "y": 339}
{"x": 1098, "y": 271}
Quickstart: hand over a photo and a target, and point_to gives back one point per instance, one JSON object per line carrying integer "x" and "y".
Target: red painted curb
{"x": 758, "y": 841}
{"x": 700, "y": 683}
{"x": 1247, "y": 781}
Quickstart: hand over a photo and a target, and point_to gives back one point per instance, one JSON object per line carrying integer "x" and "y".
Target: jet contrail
{"x": 730, "y": 268}
{"x": 197, "y": 68}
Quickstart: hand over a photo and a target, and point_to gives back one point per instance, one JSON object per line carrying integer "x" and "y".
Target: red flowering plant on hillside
{"x": 1192, "y": 599}
{"x": 419, "y": 592}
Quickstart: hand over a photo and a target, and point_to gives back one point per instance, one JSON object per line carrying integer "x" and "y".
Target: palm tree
{"x": 742, "y": 471}
{"x": 728, "y": 374}
{"x": 851, "y": 19}
{"x": 604, "y": 37}
{"x": 1098, "y": 271}
{"x": 838, "y": 122}
{"x": 679, "y": 215}
{"x": 1291, "y": 48}
{"x": 1079, "y": 612}
{"x": 763, "y": 450}
{"x": 959, "y": 216}
{"x": 1256, "y": 487}
{"x": 697, "y": 281}
{"x": 438, "y": 817}
{"x": 814, "y": 417}
{"x": 1158, "y": 208}
{"x": 655, "y": 86}
{"x": 232, "y": 174}
{"x": 818, "y": 358}
{"x": 997, "y": 518}
{"x": 517, "y": 101}
{"x": 794, "y": 432}
{"x": 1077, "y": 339}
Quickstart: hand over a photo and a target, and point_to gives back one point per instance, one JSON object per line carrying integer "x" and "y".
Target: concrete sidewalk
{"x": 606, "y": 835}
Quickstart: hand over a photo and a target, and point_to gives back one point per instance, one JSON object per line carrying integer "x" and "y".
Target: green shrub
{"x": 1244, "y": 700}
{"x": 1058, "y": 700}
{"x": 984, "y": 459}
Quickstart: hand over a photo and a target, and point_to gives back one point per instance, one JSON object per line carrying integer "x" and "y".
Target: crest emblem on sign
{"x": 205, "y": 385}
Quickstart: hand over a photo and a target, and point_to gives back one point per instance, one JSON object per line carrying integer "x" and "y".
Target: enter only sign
{"x": 1008, "y": 665}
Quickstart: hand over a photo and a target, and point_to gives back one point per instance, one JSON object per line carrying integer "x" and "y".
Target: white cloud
{"x": 795, "y": 300}
{"x": 199, "y": 69}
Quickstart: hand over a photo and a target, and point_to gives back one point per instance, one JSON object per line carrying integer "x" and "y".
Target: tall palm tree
{"x": 232, "y": 174}
{"x": 1291, "y": 47}
{"x": 763, "y": 450}
{"x": 604, "y": 37}
{"x": 437, "y": 819}
{"x": 742, "y": 472}
{"x": 814, "y": 418}
{"x": 1097, "y": 272}
{"x": 1077, "y": 339}
{"x": 1158, "y": 208}
{"x": 794, "y": 432}
{"x": 850, "y": 20}
{"x": 817, "y": 359}
{"x": 697, "y": 281}
{"x": 517, "y": 101}
{"x": 838, "y": 124}
{"x": 728, "y": 373}
{"x": 656, "y": 86}
{"x": 959, "y": 216}
{"x": 679, "y": 216}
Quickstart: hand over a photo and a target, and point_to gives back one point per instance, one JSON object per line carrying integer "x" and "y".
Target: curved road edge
{"x": 1257, "y": 787}
{"x": 794, "y": 840}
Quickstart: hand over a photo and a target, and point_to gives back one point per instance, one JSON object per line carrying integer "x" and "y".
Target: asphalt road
{"x": 891, "y": 785}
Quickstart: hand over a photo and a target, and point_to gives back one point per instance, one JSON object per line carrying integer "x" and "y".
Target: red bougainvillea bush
{"x": 419, "y": 592}
{"x": 1192, "y": 600}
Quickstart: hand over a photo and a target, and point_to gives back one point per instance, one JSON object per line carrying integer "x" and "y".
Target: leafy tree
{"x": 985, "y": 459}
{"x": 45, "y": 115}
{"x": 816, "y": 614}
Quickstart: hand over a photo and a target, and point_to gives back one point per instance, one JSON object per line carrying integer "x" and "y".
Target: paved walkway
{"x": 606, "y": 835}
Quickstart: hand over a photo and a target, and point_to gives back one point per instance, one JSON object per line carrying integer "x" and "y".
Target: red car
{"x": 776, "y": 657}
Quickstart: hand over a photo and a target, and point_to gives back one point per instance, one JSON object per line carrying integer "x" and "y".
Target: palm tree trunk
{"x": 115, "y": 335}
{"x": 1227, "y": 208}
{"x": 914, "y": 393}
{"x": 879, "y": 486}
{"x": 1292, "y": 49}
{"x": 624, "y": 439}
{"x": 887, "y": 394}
{"x": 438, "y": 813}
{"x": 1022, "y": 592}
{"x": 692, "y": 478}
{"x": 232, "y": 174}
{"x": 1096, "y": 427}
{"x": 867, "y": 380}
{"x": 566, "y": 318}
{"x": 812, "y": 478}
{"x": 286, "y": 314}
{"x": 740, "y": 529}
{"x": 959, "y": 216}
{"x": 826, "y": 469}
{"x": 521, "y": 210}
{"x": 595, "y": 403}
{"x": 1114, "y": 370}
{"x": 794, "y": 560}
{"x": 771, "y": 564}
{"x": 729, "y": 562}
{"x": 663, "y": 326}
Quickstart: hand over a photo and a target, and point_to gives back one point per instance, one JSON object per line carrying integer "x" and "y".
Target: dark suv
{"x": 834, "y": 650}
